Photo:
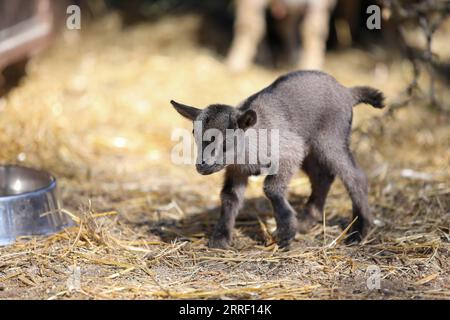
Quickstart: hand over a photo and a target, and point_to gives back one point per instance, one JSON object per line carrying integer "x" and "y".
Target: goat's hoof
{"x": 354, "y": 237}
{"x": 219, "y": 243}
{"x": 358, "y": 232}
{"x": 284, "y": 244}
{"x": 284, "y": 237}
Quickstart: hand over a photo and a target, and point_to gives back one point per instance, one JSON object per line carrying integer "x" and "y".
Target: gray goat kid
{"x": 313, "y": 114}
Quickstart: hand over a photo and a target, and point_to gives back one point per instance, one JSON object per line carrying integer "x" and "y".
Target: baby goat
{"x": 313, "y": 115}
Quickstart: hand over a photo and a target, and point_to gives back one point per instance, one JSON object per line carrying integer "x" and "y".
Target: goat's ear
{"x": 186, "y": 111}
{"x": 247, "y": 119}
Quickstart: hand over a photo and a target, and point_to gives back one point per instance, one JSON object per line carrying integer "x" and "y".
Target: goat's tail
{"x": 368, "y": 95}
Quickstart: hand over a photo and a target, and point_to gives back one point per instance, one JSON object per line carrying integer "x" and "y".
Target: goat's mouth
{"x": 209, "y": 169}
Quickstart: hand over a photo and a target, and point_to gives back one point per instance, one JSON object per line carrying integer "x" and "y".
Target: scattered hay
{"x": 94, "y": 110}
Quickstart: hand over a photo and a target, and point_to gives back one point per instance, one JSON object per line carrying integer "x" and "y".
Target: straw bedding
{"x": 94, "y": 111}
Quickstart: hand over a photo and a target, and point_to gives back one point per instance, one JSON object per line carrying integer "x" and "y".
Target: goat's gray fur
{"x": 313, "y": 114}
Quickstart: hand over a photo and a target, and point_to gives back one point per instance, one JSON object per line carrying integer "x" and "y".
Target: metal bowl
{"x": 28, "y": 204}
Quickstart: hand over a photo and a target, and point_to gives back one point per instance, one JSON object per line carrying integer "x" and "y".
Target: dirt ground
{"x": 94, "y": 110}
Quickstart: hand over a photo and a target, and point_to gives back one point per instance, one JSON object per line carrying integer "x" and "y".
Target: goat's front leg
{"x": 232, "y": 197}
{"x": 275, "y": 187}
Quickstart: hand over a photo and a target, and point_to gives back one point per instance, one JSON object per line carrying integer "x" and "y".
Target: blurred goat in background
{"x": 307, "y": 18}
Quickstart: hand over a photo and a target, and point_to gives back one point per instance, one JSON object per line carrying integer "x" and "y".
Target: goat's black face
{"x": 212, "y": 126}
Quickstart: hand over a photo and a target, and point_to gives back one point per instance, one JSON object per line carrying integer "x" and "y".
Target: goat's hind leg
{"x": 321, "y": 179}
{"x": 341, "y": 162}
